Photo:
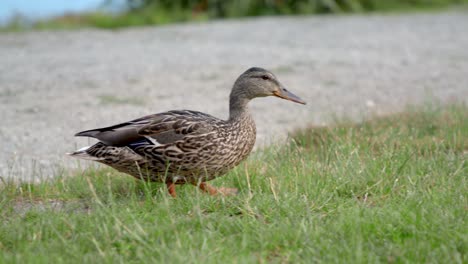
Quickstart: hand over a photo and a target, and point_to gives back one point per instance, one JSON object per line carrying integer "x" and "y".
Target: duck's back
{"x": 205, "y": 153}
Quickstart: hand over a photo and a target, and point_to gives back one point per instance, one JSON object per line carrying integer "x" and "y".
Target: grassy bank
{"x": 389, "y": 190}
{"x": 157, "y": 12}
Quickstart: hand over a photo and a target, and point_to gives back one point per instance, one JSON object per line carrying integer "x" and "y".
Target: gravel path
{"x": 53, "y": 84}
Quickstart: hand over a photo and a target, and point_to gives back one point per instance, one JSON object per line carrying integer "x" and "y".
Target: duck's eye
{"x": 265, "y": 77}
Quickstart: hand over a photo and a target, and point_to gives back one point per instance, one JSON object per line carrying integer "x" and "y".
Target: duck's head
{"x": 258, "y": 82}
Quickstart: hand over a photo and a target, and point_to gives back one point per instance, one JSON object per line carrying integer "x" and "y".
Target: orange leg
{"x": 171, "y": 189}
{"x": 220, "y": 191}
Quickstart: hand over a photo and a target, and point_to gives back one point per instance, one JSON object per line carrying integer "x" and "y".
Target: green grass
{"x": 391, "y": 190}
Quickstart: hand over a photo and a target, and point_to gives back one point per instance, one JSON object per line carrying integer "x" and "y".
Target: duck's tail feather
{"x": 93, "y": 152}
{"x": 88, "y": 133}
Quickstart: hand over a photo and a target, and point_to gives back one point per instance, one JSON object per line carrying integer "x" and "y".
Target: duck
{"x": 184, "y": 146}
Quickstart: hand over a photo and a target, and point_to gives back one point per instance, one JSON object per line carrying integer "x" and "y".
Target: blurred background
{"x": 20, "y": 14}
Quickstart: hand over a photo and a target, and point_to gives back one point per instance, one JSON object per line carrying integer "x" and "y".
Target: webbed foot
{"x": 217, "y": 191}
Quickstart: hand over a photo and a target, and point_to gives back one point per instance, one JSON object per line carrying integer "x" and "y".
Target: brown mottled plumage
{"x": 183, "y": 146}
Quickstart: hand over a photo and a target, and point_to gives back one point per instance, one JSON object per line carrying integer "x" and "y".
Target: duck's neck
{"x": 238, "y": 108}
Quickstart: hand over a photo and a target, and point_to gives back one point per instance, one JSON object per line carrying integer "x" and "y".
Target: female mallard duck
{"x": 183, "y": 146}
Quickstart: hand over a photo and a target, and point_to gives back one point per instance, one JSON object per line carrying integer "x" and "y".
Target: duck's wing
{"x": 162, "y": 128}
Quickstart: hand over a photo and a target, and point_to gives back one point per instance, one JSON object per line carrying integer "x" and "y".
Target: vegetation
{"x": 391, "y": 189}
{"x": 150, "y": 12}
{"x": 239, "y": 8}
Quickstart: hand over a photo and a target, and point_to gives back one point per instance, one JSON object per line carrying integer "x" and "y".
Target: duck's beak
{"x": 285, "y": 94}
